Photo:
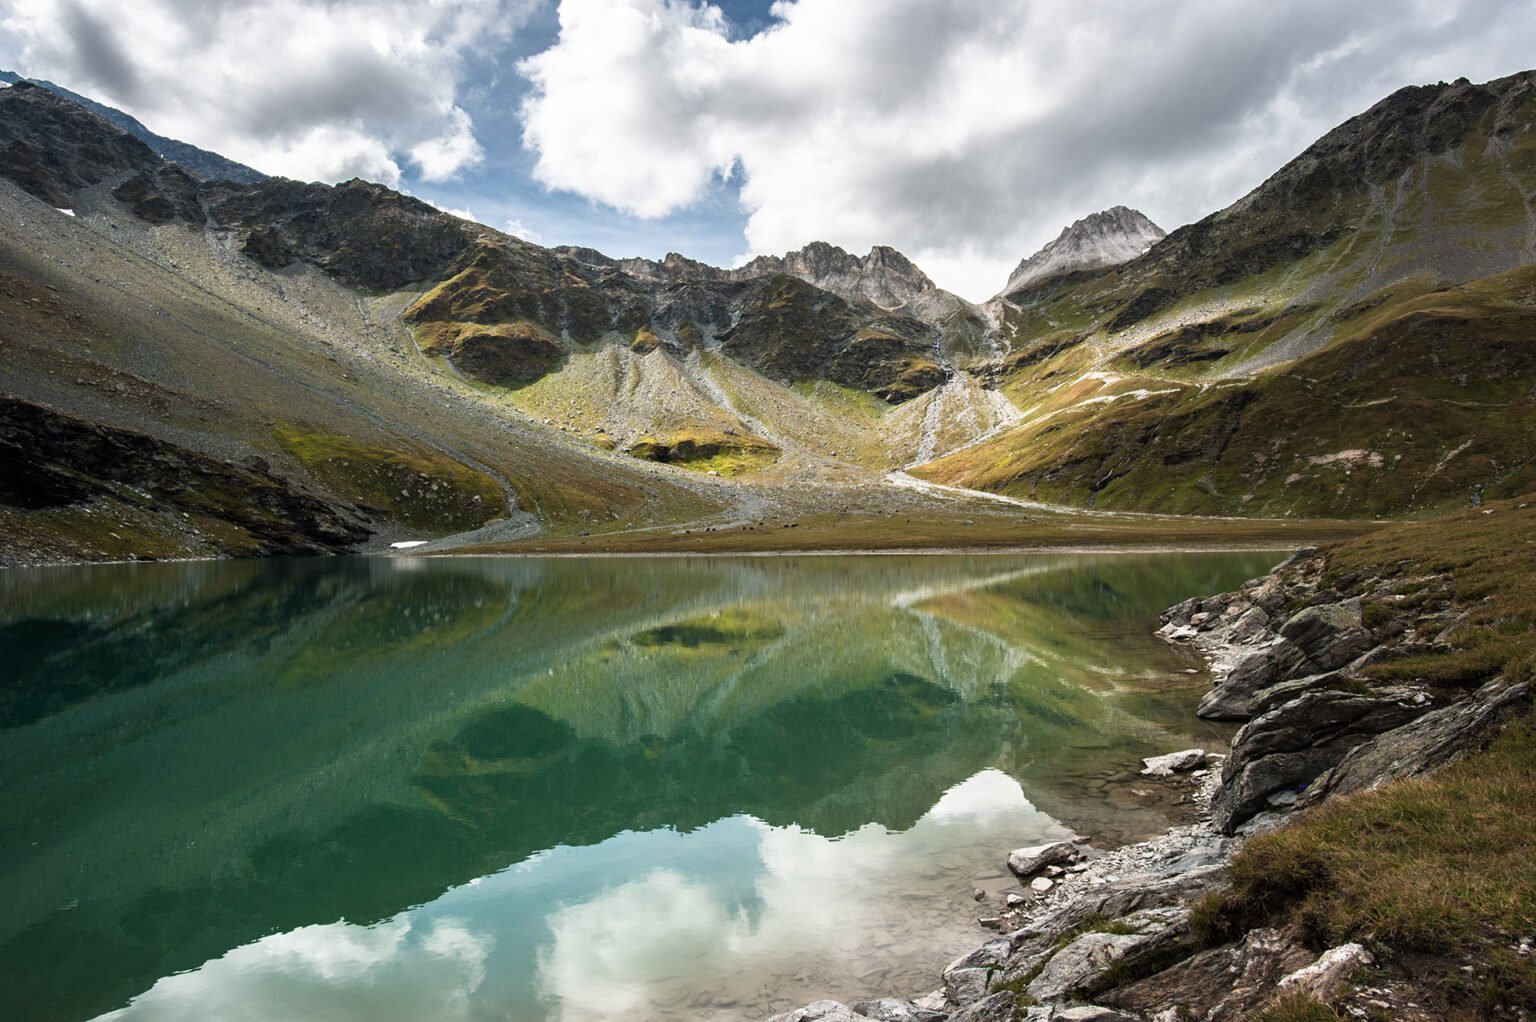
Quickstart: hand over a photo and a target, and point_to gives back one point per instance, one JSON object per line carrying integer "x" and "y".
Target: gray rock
{"x": 821, "y": 1011}
{"x": 966, "y": 978}
{"x": 889, "y": 1009}
{"x": 1422, "y": 744}
{"x": 1091, "y": 1013}
{"x": 1220, "y": 985}
{"x": 1172, "y": 763}
{"x": 1000, "y": 1007}
{"x": 1329, "y": 635}
{"x": 1081, "y": 966}
{"x": 1231, "y": 698}
{"x": 965, "y": 986}
{"x": 1325, "y": 975}
{"x": 1127, "y": 896}
{"x": 1041, "y": 884}
{"x": 1249, "y": 625}
{"x": 1292, "y": 744}
{"x": 1026, "y": 862}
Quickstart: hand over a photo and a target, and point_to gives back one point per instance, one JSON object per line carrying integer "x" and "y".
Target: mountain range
{"x": 201, "y": 359}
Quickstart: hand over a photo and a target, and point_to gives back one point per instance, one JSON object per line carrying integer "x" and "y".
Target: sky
{"x": 965, "y": 133}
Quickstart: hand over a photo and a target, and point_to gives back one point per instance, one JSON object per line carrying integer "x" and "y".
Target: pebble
{"x": 1041, "y": 884}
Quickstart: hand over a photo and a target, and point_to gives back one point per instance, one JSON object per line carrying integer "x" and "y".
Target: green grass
{"x": 1297, "y": 1007}
{"x": 422, "y": 488}
{"x": 931, "y": 528}
{"x": 707, "y": 450}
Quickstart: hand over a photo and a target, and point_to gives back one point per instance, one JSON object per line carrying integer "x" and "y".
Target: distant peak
{"x": 1097, "y": 241}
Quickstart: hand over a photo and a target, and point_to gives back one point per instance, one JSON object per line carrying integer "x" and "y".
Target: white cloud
{"x": 461, "y": 213}
{"x": 518, "y": 229}
{"x": 321, "y": 91}
{"x": 968, "y": 132}
{"x": 441, "y": 158}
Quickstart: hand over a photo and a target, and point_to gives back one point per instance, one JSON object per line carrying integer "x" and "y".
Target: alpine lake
{"x": 534, "y": 789}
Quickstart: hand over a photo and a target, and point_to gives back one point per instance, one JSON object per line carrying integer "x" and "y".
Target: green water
{"x": 554, "y": 789}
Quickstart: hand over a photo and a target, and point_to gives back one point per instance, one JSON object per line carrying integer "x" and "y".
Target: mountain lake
{"x": 527, "y": 789}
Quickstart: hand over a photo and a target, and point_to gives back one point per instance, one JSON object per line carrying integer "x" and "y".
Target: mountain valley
{"x": 1351, "y": 340}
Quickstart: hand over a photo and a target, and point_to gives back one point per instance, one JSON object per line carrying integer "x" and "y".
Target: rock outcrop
{"x": 1291, "y": 658}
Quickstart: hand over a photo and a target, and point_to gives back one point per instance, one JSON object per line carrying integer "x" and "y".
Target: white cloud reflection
{"x": 729, "y": 918}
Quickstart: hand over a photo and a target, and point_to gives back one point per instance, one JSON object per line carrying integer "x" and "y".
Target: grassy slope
{"x": 1437, "y": 872}
{"x": 1433, "y": 390}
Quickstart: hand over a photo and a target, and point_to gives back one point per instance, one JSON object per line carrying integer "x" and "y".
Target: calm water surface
{"x": 554, "y": 789}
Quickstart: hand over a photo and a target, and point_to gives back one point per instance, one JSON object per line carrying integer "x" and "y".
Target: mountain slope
{"x": 157, "y": 348}
{"x": 1350, "y": 337}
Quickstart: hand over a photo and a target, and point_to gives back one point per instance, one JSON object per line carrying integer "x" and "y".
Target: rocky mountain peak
{"x": 884, "y": 276}
{"x": 1096, "y": 242}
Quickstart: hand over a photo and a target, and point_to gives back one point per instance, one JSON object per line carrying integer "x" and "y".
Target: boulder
{"x": 1026, "y": 862}
{"x": 1231, "y": 699}
{"x": 1172, "y": 763}
{"x": 1000, "y": 1007}
{"x": 1127, "y": 896}
{"x": 1249, "y": 625}
{"x": 966, "y": 978}
{"x": 821, "y": 1011}
{"x": 889, "y": 1009}
{"x": 1220, "y": 985}
{"x": 1083, "y": 966}
{"x": 1091, "y": 1013}
{"x": 1329, "y": 635}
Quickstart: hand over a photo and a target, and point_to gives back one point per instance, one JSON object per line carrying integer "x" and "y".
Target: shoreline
{"x": 1150, "y": 931}
{"x": 1215, "y": 547}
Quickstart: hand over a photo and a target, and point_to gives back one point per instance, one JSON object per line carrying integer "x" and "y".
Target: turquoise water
{"x": 532, "y": 789}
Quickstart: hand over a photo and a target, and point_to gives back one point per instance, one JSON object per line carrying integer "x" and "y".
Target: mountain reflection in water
{"x": 550, "y": 788}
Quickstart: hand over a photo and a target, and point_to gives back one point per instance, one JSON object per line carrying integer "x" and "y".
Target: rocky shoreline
{"x": 1117, "y": 936}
